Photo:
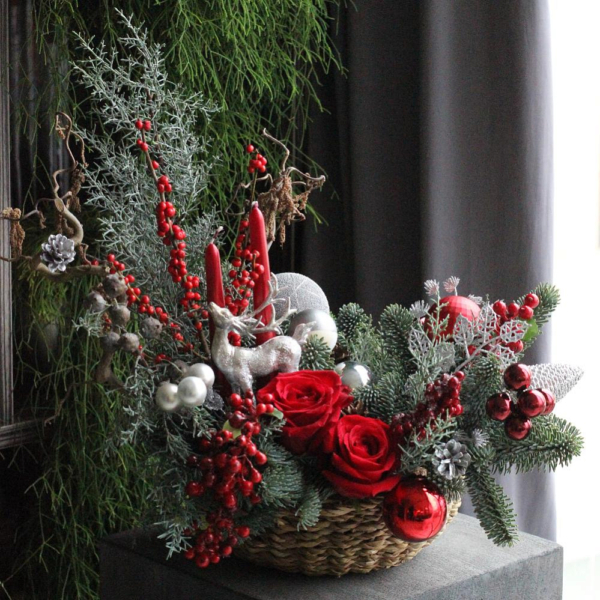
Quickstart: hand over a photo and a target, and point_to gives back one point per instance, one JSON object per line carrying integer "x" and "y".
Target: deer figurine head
{"x": 241, "y": 366}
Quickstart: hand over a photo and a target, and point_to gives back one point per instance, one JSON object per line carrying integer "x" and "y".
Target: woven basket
{"x": 349, "y": 538}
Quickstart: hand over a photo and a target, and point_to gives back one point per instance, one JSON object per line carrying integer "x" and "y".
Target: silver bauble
{"x": 166, "y": 396}
{"x": 353, "y": 374}
{"x": 323, "y": 325}
{"x": 191, "y": 391}
{"x": 302, "y": 291}
{"x": 204, "y": 372}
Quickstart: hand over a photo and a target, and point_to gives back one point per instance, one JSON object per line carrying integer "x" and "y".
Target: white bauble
{"x": 166, "y": 396}
{"x": 353, "y": 374}
{"x": 204, "y": 372}
{"x": 191, "y": 391}
{"x": 322, "y": 323}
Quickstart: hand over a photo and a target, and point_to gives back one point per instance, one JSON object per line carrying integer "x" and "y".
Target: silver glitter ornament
{"x": 204, "y": 372}
{"x": 451, "y": 459}
{"x": 58, "y": 252}
{"x": 241, "y": 366}
{"x": 166, "y": 396}
{"x": 353, "y": 374}
{"x": 302, "y": 292}
{"x": 559, "y": 379}
{"x": 321, "y": 325}
{"x": 191, "y": 391}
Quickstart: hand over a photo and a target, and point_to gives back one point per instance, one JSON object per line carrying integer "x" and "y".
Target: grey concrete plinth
{"x": 461, "y": 565}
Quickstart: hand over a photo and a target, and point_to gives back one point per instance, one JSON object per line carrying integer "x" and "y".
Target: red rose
{"x": 311, "y": 402}
{"x": 363, "y": 458}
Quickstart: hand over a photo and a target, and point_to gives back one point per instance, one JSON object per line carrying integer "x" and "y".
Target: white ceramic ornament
{"x": 353, "y": 374}
{"x": 322, "y": 325}
{"x": 303, "y": 293}
{"x": 204, "y": 372}
{"x": 166, "y": 396}
{"x": 191, "y": 391}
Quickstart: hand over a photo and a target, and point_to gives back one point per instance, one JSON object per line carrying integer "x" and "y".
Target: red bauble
{"x": 517, "y": 377}
{"x": 550, "y": 401}
{"x": 532, "y": 403}
{"x": 498, "y": 407}
{"x": 415, "y": 510}
{"x": 452, "y": 307}
{"x": 517, "y": 427}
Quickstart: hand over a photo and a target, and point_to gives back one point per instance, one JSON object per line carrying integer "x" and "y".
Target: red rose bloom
{"x": 363, "y": 458}
{"x": 311, "y": 402}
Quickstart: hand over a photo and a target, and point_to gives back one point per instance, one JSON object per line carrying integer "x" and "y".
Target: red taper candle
{"x": 214, "y": 278}
{"x": 258, "y": 242}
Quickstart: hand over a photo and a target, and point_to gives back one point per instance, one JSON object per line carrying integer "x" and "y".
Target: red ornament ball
{"x": 498, "y": 407}
{"x": 517, "y": 427}
{"x": 532, "y": 403}
{"x": 415, "y": 510}
{"x": 517, "y": 377}
{"x": 550, "y": 401}
{"x": 452, "y": 307}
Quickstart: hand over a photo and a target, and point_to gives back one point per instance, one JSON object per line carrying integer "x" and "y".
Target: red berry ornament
{"x": 532, "y": 300}
{"x": 517, "y": 427}
{"x": 517, "y": 377}
{"x": 550, "y": 401}
{"x": 512, "y": 310}
{"x": 499, "y": 308}
{"x": 452, "y": 307}
{"x": 498, "y": 406}
{"x": 532, "y": 403}
{"x": 415, "y": 510}
{"x": 526, "y": 312}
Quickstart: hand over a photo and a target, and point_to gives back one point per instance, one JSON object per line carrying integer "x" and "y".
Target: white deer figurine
{"x": 241, "y": 366}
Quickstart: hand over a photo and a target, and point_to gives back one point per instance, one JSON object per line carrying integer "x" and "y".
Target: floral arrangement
{"x": 248, "y": 396}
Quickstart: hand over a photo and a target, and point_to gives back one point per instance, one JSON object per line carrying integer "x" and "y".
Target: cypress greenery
{"x": 259, "y": 62}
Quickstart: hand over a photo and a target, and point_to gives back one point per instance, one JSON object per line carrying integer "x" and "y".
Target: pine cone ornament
{"x": 58, "y": 252}
{"x": 451, "y": 459}
{"x": 559, "y": 379}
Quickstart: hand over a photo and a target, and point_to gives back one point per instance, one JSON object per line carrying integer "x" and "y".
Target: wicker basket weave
{"x": 349, "y": 538}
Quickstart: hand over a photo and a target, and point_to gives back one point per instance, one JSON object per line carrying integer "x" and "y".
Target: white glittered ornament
{"x": 322, "y": 325}
{"x": 353, "y": 374}
{"x": 204, "y": 372}
{"x": 302, "y": 292}
{"x": 191, "y": 391}
{"x": 166, "y": 396}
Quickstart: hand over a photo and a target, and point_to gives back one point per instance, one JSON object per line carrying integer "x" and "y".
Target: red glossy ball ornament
{"x": 415, "y": 510}
{"x": 498, "y": 406}
{"x": 517, "y": 427}
{"x": 550, "y": 401}
{"x": 532, "y": 403}
{"x": 452, "y": 307}
{"x": 517, "y": 377}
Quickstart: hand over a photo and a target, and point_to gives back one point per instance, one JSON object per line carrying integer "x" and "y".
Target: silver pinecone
{"x": 58, "y": 252}
{"x": 559, "y": 379}
{"x": 451, "y": 459}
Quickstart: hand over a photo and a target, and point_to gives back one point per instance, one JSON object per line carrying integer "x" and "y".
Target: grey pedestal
{"x": 461, "y": 565}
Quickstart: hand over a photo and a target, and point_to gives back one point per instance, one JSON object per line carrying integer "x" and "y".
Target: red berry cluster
{"x": 513, "y": 311}
{"x": 258, "y": 163}
{"x": 244, "y": 274}
{"x": 228, "y": 466}
{"x": 442, "y": 399}
{"x": 530, "y": 403}
{"x": 173, "y": 235}
{"x": 217, "y": 541}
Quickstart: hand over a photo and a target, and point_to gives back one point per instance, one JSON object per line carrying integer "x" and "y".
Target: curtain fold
{"x": 439, "y": 145}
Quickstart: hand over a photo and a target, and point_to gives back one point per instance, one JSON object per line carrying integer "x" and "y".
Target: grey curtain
{"x": 439, "y": 145}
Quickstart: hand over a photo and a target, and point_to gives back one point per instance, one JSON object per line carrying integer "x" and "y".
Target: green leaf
{"x": 532, "y": 332}
{"x": 277, "y": 414}
{"x": 236, "y": 432}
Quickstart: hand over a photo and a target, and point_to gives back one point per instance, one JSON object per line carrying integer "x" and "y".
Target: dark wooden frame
{"x": 13, "y": 430}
